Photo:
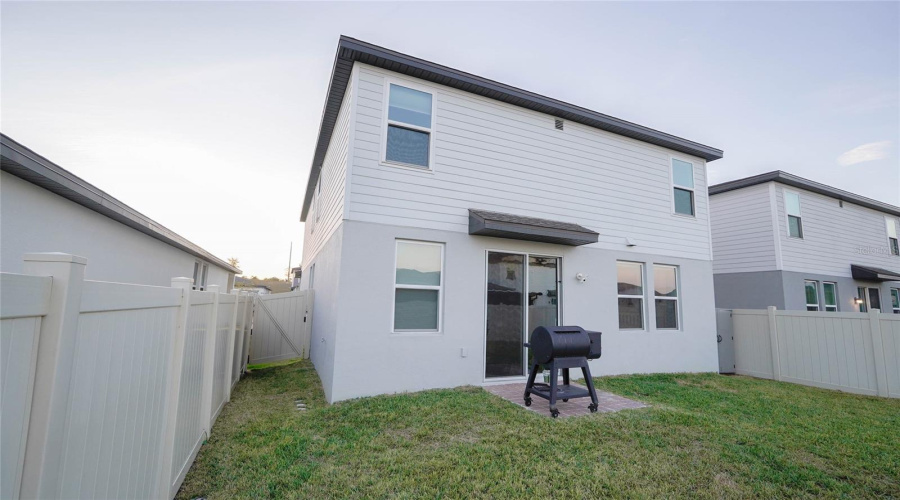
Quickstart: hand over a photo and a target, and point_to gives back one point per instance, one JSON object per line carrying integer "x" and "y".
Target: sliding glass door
{"x": 512, "y": 313}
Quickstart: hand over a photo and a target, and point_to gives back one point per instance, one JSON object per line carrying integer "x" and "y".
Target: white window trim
{"x": 643, "y": 297}
{"x": 888, "y": 222}
{"x": 673, "y": 186}
{"x": 787, "y": 216}
{"x": 676, "y": 298}
{"x": 895, "y": 310}
{"x": 816, "y": 285}
{"x": 829, "y": 308}
{"x": 385, "y": 122}
{"x": 439, "y": 288}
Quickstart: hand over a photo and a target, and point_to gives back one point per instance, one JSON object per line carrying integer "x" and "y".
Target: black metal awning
{"x": 517, "y": 227}
{"x": 866, "y": 273}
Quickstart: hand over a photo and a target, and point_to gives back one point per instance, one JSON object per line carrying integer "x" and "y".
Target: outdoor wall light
{"x": 858, "y": 300}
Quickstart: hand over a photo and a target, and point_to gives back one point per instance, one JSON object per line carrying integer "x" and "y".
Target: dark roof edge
{"x": 802, "y": 183}
{"x": 351, "y": 50}
{"x": 40, "y": 171}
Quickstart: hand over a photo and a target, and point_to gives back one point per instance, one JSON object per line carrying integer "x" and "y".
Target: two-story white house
{"x": 448, "y": 215}
{"x": 785, "y": 241}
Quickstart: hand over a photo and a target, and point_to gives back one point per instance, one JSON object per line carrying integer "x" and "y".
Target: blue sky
{"x": 203, "y": 115}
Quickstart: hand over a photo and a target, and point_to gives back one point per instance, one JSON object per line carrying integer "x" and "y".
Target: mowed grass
{"x": 704, "y": 436}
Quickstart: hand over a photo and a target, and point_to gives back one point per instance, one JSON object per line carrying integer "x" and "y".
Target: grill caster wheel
{"x": 565, "y": 400}
{"x": 593, "y": 408}
{"x": 527, "y": 401}
{"x": 554, "y": 413}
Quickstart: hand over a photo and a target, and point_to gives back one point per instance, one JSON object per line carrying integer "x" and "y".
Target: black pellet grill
{"x": 560, "y": 348}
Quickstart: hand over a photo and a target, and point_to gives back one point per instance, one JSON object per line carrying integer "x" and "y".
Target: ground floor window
{"x": 418, "y": 286}
{"x": 895, "y": 300}
{"x": 630, "y": 283}
{"x": 812, "y": 295}
{"x": 830, "y": 296}
{"x": 665, "y": 291}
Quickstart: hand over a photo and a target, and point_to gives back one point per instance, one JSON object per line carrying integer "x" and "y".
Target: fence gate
{"x": 725, "y": 337}
{"x": 282, "y": 323}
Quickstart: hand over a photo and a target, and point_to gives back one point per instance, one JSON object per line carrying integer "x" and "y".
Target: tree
{"x": 233, "y": 261}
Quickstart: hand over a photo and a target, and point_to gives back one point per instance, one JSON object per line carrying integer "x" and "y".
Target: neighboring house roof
{"x": 350, "y": 50}
{"x": 800, "y": 182}
{"x": 22, "y": 162}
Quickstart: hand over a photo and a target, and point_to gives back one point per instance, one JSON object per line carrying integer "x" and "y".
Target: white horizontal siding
{"x": 743, "y": 233}
{"x": 499, "y": 157}
{"x": 330, "y": 209}
{"x": 833, "y": 236}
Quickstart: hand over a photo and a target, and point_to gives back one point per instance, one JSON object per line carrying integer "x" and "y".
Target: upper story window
{"x": 683, "y": 187}
{"x": 409, "y": 127}
{"x": 630, "y": 283}
{"x": 418, "y": 286}
{"x": 792, "y": 208}
{"x": 892, "y": 235}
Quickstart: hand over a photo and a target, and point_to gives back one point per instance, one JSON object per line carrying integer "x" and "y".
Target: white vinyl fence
{"x": 281, "y": 327}
{"x": 852, "y": 352}
{"x": 109, "y": 389}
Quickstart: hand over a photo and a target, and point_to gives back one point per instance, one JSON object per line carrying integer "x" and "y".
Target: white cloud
{"x": 867, "y": 152}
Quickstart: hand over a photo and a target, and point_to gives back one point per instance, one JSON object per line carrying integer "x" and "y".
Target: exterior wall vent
{"x": 559, "y": 124}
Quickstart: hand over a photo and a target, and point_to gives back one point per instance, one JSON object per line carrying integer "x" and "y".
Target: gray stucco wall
{"x": 369, "y": 359}
{"x": 795, "y": 297}
{"x": 326, "y": 311}
{"x": 786, "y": 290}
{"x": 752, "y": 290}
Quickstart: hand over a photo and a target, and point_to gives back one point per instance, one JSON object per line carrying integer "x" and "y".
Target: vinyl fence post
{"x": 53, "y": 372}
{"x": 773, "y": 338}
{"x": 173, "y": 390}
{"x": 241, "y": 333}
{"x": 209, "y": 363}
{"x": 251, "y": 305}
{"x": 878, "y": 348}
{"x": 229, "y": 358}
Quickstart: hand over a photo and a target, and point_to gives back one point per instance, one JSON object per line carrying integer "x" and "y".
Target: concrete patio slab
{"x": 607, "y": 402}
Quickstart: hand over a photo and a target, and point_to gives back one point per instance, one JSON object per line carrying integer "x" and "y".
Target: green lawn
{"x": 705, "y": 435}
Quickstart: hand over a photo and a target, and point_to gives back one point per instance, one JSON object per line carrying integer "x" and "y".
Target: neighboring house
{"x": 448, "y": 215}
{"x": 296, "y": 274}
{"x": 45, "y": 208}
{"x": 257, "y": 289}
{"x": 785, "y": 241}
